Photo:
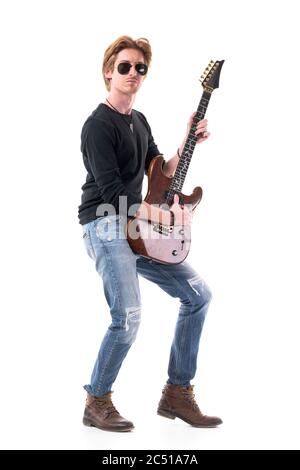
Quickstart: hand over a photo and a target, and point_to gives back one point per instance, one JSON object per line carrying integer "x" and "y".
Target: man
{"x": 117, "y": 147}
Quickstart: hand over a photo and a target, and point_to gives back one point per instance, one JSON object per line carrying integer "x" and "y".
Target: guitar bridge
{"x": 162, "y": 229}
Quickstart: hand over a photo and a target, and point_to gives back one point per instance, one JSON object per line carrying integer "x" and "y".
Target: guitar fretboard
{"x": 187, "y": 153}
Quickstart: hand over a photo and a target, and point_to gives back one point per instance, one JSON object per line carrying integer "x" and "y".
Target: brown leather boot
{"x": 101, "y": 413}
{"x": 179, "y": 402}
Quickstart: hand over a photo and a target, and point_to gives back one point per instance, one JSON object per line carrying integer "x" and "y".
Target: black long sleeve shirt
{"x": 115, "y": 158}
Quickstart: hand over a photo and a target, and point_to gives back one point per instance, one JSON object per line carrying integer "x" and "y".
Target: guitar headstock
{"x": 211, "y": 75}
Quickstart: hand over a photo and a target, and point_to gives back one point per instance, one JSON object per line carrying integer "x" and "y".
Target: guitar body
{"x": 167, "y": 245}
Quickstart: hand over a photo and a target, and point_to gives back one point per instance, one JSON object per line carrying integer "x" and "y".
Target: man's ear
{"x": 108, "y": 74}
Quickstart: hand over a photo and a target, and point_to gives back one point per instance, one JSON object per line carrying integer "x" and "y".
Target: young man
{"x": 117, "y": 147}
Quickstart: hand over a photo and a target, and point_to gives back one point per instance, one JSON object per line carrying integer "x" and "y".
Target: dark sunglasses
{"x": 124, "y": 67}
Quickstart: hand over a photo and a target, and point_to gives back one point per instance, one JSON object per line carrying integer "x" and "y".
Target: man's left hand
{"x": 201, "y": 129}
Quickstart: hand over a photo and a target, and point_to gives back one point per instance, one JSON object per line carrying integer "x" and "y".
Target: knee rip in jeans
{"x": 131, "y": 323}
{"x": 200, "y": 288}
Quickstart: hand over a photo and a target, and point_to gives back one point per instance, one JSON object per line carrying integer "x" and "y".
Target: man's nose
{"x": 132, "y": 71}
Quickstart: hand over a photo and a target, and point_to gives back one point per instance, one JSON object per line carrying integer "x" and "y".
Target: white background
{"x": 245, "y": 234}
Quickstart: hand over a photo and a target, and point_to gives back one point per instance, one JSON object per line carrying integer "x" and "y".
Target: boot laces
{"x": 108, "y": 405}
{"x": 190, "y": 396}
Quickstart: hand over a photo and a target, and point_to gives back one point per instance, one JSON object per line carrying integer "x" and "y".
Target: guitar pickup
{"x": 162, "y": 229}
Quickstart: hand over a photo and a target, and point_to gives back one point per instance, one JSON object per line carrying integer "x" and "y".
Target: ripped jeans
{"x": 119, "y": 267}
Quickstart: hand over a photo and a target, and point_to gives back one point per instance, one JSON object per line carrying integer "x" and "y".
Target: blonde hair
{"x": 124, "y": 42}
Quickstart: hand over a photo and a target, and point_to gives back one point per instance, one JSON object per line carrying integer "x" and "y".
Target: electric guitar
{"x": 170, "y": 244}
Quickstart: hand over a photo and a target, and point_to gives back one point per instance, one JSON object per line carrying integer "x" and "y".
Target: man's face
{"x": 130, "y": 82}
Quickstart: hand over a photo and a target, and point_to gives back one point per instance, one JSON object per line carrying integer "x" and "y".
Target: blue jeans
{"x": 119, "y": 268}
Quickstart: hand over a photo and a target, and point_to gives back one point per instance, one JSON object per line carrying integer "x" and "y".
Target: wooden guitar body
{"x": 166, "y": 244}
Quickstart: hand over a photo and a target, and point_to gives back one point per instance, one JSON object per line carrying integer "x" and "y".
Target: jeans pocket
{"x": 110, "y": 228}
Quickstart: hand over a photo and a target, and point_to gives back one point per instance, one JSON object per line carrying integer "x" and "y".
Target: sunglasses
{"x": 124, "y": 67}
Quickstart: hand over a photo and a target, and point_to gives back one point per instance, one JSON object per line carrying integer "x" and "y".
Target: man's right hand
{"x": 182, "y": 215}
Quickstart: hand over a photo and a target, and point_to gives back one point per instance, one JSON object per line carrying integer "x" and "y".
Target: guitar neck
{"x": 188, "y": 150}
